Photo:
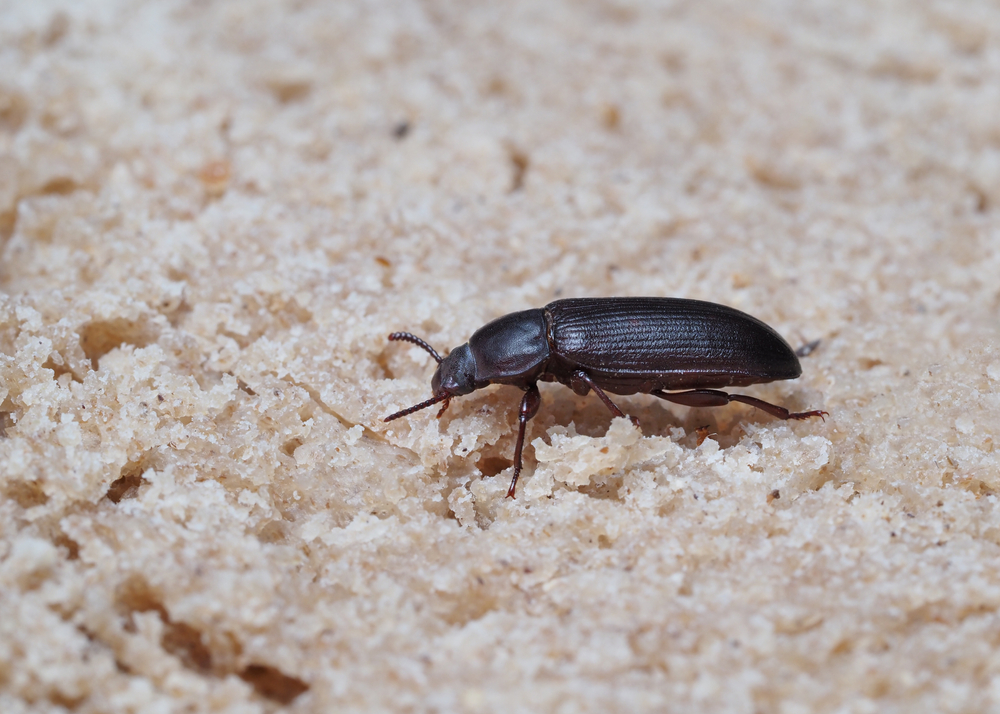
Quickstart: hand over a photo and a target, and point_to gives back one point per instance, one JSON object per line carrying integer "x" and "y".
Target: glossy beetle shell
{"x": 632, "y": 345}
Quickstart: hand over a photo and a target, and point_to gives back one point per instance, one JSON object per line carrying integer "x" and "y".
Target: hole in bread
{"x": 101, "y": 336}
{"x": 273, "y": 683}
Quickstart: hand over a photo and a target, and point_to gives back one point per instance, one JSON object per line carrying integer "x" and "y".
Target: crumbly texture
{"x": 211, "y": 216}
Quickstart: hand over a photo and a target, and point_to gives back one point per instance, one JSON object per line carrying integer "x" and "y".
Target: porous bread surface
{"x": 211, "y": 216}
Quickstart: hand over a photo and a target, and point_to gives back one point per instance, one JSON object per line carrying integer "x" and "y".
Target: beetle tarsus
{"x": 809, "y": 415}
{"x": 807, "y": 349}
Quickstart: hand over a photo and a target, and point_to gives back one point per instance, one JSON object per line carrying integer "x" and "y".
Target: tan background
{"x": 213, "y": 213}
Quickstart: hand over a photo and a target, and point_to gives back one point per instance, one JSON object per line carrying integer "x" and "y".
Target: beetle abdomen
{"x": 637, "y": 344}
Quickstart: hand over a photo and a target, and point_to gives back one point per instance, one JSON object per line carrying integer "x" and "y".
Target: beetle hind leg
{"x": 716, "y": 398}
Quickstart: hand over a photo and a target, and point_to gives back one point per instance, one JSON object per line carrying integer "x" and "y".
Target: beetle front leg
{"x": 529, "y": 407}
{"x": 715, "y": 398}
{"x": 581, "y": 382}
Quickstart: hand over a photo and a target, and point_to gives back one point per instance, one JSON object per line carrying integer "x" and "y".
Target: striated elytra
{"x": 675, "y": 349}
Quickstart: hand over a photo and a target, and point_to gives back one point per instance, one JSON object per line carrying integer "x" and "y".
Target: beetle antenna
{"x": 407, "y": 337}
{"x": 422, "y": 405}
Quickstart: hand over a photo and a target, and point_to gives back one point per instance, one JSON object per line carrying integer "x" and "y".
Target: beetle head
{"x": 455, "y": 375}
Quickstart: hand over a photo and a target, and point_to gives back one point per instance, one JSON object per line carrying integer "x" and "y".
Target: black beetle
{"x": 619, "y": 345}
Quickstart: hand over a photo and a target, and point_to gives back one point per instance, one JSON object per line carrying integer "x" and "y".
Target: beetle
{"x": 676, "y": 349}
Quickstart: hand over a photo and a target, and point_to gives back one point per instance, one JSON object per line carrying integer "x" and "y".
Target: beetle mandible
{"x": 676, "y": 349}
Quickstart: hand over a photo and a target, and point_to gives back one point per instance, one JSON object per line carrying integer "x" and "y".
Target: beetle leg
{"x": 715, "y": 398}
{"x": 529, "y": 407}
{"x": 582, "y": 381}
{"x": 447, "y": 401}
